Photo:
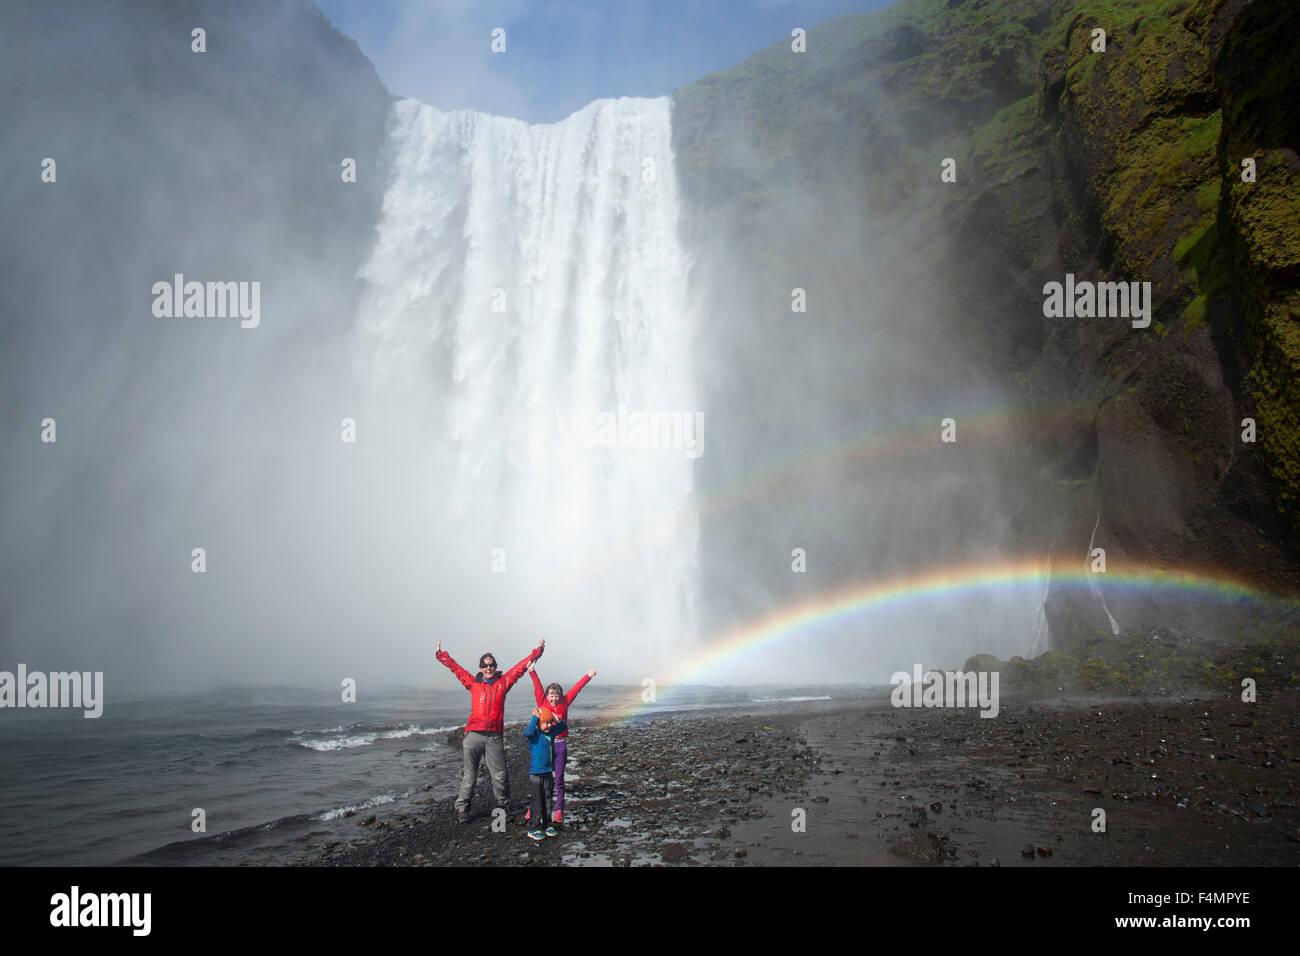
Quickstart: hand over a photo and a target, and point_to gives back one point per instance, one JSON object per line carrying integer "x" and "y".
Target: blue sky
{"x": 562, "y": 54}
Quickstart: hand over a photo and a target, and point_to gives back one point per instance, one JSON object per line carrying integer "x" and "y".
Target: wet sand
{"x": 1182, "y": 782}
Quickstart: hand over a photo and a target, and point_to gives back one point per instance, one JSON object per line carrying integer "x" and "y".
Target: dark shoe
{"x": 462, "y": 816}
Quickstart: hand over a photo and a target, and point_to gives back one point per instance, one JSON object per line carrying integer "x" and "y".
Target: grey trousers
{"x": 477, "y": 745}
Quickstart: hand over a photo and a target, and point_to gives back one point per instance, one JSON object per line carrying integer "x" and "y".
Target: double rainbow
{"x": 918, "y": 587}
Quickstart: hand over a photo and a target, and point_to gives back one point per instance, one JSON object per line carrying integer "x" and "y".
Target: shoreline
{"x": 1182, "y": 781}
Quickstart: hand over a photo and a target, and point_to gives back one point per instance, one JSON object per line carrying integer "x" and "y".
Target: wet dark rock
{"x": 673, "y": 852}
{"x": 927, "y": 847}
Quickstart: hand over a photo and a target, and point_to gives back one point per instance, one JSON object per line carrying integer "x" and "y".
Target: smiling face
{"x": 553, "y": 696}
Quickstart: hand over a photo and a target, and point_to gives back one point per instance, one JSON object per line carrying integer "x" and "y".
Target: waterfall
{"x": 526, "y": 281}
{"x": 1093, "y": 586}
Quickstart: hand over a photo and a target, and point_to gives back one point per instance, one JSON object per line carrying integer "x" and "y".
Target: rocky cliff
{"x": 224, "y": 165}
{"x": 1117, "y": 165}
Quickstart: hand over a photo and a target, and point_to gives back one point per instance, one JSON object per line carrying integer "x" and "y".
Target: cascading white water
{"x": 526, "y": 279}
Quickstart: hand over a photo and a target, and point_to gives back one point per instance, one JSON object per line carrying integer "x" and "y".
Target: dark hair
{"x": 484, "y": 656}
{"x": 555, "y": 687}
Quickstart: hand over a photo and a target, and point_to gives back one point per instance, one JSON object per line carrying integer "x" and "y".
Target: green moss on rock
{"x": 981, "y": 662}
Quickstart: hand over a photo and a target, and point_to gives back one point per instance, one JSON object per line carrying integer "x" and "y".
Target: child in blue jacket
{"x": 540, "y": 733}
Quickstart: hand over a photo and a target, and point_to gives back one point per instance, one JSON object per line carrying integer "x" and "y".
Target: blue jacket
{"x": 541, "y": 745}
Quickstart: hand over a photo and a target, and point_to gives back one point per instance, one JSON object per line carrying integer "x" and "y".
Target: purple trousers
{"x": 561, "y": 751}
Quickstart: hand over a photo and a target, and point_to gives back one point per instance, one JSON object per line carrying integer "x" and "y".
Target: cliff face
{"x": 1122, "y": 164}
{"x": 1151, "y": 136}
{"x": 223, "y": 166}
{"x": 165, "y": 155}
{"x": 1257, "y": 77}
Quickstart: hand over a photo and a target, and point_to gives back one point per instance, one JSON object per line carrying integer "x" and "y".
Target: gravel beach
{"x": 857, "y": 782}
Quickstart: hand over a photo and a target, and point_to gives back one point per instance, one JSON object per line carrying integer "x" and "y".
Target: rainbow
{"x": 936, "y": 583}
{"x": 992, "y": 423}
{"x": 988, "y": 424}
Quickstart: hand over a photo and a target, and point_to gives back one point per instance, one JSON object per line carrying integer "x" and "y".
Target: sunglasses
{"x": 488, "y": 665}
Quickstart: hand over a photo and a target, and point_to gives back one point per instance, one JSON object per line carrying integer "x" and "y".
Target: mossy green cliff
{"x": 1117, "y": 165}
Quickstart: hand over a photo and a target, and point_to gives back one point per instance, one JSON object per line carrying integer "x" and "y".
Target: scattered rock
{"x": 927, "y": 847}
{"x": 673, "y": 852}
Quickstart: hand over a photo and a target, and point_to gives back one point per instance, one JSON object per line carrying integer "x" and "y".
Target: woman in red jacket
{"x": 487, "y": 690}
{"x": 558, "y": 701}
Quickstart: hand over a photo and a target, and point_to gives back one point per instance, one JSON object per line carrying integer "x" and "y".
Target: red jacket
{"x": 560, "y": 710}
{"x": 487, "y": 698}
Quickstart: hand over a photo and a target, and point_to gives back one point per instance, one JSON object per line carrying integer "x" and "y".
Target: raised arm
{"x": 517, "y": 671}
{"x": 582, "y": 682}
{"x": 538, "y": 692}
{"x": 462, "y": 675}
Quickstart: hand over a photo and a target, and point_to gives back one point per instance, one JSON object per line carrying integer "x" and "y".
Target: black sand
{"x": 1182, "y": 782}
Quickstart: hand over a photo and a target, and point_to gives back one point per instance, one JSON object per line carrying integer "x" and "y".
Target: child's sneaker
{"x": 536, "y": 835}
{"x": 551, "y": 831}
{"x": 557, "y": 817}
